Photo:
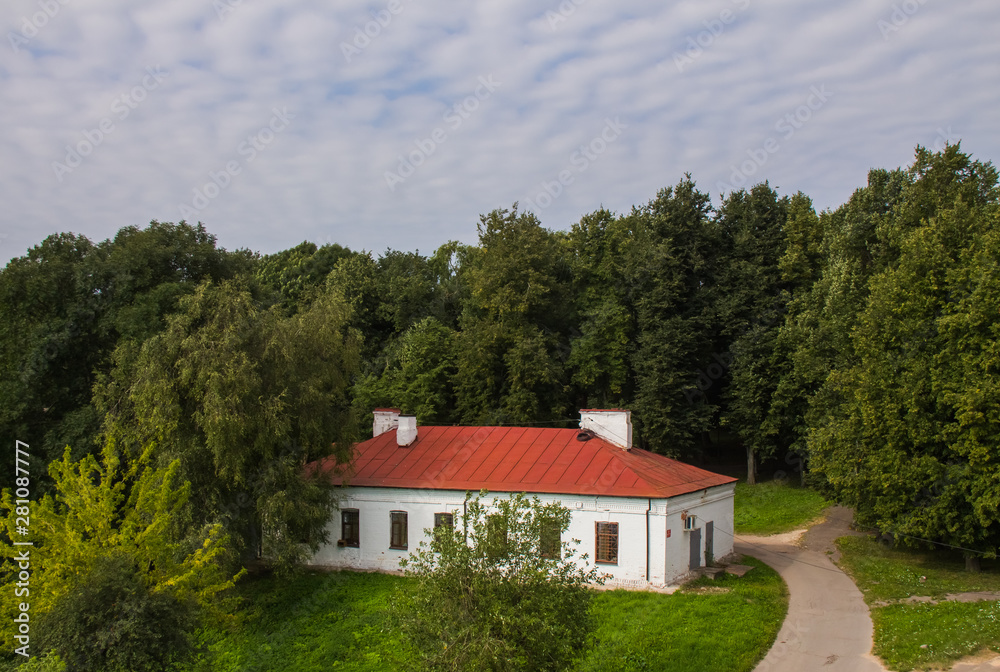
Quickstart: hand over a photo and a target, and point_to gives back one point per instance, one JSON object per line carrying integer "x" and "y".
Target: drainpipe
{"x": 649, "y": 505}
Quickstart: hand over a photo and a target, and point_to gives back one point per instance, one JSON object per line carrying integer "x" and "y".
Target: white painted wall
{"x": 662, "y": 562}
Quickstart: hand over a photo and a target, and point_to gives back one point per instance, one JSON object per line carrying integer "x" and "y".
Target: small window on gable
{"x": 397, "y": 530}
{"x": 606, "y": 544}
{"x": 549, "y": 540}
{"x": 350, "y": 532}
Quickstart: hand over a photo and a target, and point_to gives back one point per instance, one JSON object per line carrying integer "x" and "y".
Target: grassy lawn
{"x": 342, "y": 621}
{"x": 722, "y": 632}
{"x": 774, "y": 507}
{"x": 950, "y": 630}
{"x": 317, "y": 621}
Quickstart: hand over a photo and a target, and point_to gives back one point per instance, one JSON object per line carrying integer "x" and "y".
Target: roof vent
{"x": 584, "y": 435}
{"x": 612, "y": 425}
{"x": 386, "y": 419}
{"x": 406, "y": 432}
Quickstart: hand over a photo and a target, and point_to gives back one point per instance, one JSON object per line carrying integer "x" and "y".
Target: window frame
{"x": 352, "y": 540}
{"x": 439, "y": 519}
{"x": 397, "y": 519}
{"x": 609, "y": 536}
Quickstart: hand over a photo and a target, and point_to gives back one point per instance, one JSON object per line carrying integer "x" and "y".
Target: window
{"x": 548, "y": 539}
{"x": 443, "y": 519}
{"x": 607, "y": 543}
{"x": 397, "y": 530}
{"x": 349, "y": 529}
{"x": 496, "y": 536}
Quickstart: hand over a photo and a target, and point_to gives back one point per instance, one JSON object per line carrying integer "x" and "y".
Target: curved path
{"x": 828, "y": 626}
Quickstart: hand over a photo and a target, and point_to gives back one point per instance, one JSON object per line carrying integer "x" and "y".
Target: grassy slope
{"x": 775, "y": 507}
{"x": 341, "y": 621}
{"x": 950, "y": 630}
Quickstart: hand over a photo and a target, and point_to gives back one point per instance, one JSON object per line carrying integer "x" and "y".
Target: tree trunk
{"x": 751, "y": 467}
{"x": 972, "y": 563}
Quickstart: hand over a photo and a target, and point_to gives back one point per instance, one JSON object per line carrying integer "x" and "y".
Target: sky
{"x": 397, "y": 123}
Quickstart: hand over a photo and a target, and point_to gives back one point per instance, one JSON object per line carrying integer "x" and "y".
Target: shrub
{"x": 495, "y": 594}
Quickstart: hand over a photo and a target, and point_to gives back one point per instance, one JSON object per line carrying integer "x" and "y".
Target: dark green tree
{"x": 245, "y": 397}
{"x": 514, "y": 326}
{"x": 750, "y": 300}
{"x": 906, "y": 437}
{"x": 669, "y": 282}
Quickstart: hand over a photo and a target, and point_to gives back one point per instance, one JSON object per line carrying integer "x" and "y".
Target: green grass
{"x": 884, "y": 573}
{"x": 950, "y": 630}
{"x": 722, "y": 632}
{"x": 343, "y": 621}
{"x": 317, "y": 621}
{"x": 775, "y": 507}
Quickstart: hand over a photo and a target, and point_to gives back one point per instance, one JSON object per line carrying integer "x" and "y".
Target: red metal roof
{"x": 519, "y": 459}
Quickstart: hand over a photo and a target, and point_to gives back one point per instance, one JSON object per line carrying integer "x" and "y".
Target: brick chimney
{"x": 406, "y": 432}
{"x": 386, "y": 419}
{"x": 612, "y": 425}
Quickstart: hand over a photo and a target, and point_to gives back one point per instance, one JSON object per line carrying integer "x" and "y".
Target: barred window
{"x": 607, "y": 543}
{"x": 397, "y": 532}
{"x": 350, "y": 532}
{"x": 444, "y": 519}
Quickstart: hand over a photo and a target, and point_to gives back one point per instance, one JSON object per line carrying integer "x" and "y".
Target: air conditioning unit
{"x": 690, "y": 523}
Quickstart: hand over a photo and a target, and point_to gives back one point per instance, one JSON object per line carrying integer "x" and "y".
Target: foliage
{"x": 509, "y": 362}
{"x": 111, "y": 620}
{"x": 650, "y": 632}
{"x": 418, "y": 376}
{"x": 668, "y": 277}
{"x": 908, "y": 432}
{"x": 487, "y": 598}
{"x": 110, "y": 522}
{"x": 66, "y": 305}
{"x": 775, "y": 507}
{"x": 751, "y": 302}
{"x": 244, "y": 397}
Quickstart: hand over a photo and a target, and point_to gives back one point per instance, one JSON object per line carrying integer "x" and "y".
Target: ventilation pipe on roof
{"x": 406, "y": 432}
{"x": 612, "y": 425}
{"x": 386, "y": 419}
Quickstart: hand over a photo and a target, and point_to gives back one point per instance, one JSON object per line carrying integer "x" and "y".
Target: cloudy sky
{"x": 395, "y": 123}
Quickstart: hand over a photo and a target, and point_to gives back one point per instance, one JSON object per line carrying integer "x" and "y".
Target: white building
{"x": 645, "y": 519}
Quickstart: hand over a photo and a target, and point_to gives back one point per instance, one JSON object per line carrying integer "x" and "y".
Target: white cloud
{"x": 323, "y": 177}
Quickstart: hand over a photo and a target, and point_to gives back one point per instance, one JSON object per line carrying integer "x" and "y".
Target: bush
{"x": 111, "y": 621}
{"x": 498, "y": 591}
